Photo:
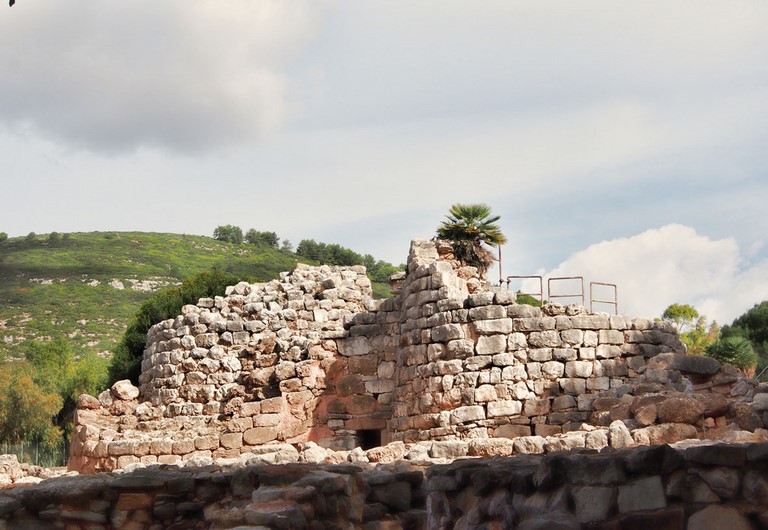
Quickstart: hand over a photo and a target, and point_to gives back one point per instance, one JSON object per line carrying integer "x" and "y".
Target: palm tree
{"x": 468, "y": 227}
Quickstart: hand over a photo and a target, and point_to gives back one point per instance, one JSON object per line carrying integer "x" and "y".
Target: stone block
{"x": 485, "y": 393}
{"x": 536, "y": 407}
{"x": 552, "y": 369}
{"x": 260, "y": 435}
{"x": 492, "y": 344}
{"x": 544, "y": 339}
{"x": 644, "y": 494}
{"x": 354, "y": 346}
{"x": 490, "y": 327}
{"x": 593, "y": 503}
{"x": 488, "y": 312}
{"x": 717, "y": 517}
{"x": 447, "y": 333}
{"x": 467, "y": 414}
{"x": 607, "y": 351}
{"x": 578, "y": 369}
{"x": 504, "y": 408}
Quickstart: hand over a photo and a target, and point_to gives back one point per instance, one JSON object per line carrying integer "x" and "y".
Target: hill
{"x": 86, "y": 286}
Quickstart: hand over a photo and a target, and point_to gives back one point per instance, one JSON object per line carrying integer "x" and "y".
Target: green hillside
{"x": 86, "y": 286}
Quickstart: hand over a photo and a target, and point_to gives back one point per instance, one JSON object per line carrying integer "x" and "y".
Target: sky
{"x": 622, "y": 142}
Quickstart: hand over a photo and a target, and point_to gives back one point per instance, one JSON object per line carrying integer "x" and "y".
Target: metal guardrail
{"x": 593, "y": 300}
{"x": 569, "y": 295}
{"x": 614, "y": 302}
{"x": 540, "y": 294}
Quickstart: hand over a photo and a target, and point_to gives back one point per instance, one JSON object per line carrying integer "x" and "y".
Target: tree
{"x": 753, "y": 326}
{"x": 286, "y": 246}
{"x": 3, "y": 236}
{"x": 468, "y": 227}
{"x": 682, "y": 316}
{"x": 26, "y": 410}
{"x": 229, "y": 233}
{"x": 693, "y": 328}
{"x": 254, "y": 237}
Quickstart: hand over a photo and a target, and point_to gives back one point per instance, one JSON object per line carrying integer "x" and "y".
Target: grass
{"x": 67, "y": 287}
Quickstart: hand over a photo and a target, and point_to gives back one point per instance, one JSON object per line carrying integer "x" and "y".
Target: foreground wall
{"x": 673, "y": 488}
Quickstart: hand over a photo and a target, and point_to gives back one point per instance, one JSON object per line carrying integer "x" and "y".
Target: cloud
{"x": 672, "y": 264}
{"x": 183, "y": 76}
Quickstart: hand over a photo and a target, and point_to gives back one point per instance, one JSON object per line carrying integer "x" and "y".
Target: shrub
{"x": 734, "y": 350}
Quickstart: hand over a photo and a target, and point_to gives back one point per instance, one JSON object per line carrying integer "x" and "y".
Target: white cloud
{"x": 185, "y": 76}
{"x": 672, "y": 264}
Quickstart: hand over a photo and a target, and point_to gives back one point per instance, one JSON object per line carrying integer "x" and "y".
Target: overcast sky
{"x": 625, "y": 142}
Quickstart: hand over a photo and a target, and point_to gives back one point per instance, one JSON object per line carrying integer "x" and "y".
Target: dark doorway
{"x": 369, "y": 438}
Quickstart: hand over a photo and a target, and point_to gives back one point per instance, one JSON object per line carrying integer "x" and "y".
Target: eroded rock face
{"x": 310, "y": 357}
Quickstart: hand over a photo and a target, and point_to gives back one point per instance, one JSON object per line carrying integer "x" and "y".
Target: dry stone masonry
{"x": 448, "y": 406}
{"x": 311, "y": 358}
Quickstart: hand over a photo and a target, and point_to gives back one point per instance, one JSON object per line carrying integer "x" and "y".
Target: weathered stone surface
{"x": 718, "y": 517}
{"x": 125, "y": 390}
{"x": 642, "y": 494}
{"x": 680, "y": 410}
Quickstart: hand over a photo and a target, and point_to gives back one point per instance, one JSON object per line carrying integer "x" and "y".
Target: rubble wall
{"x": 700, "y": 487}
{"x": 311, "y": 357}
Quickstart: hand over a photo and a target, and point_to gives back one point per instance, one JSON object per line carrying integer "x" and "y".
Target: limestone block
{"x": 380, "y": 386}
{"x": 467, "y": 414}
{"x": 619, "y": 435}
{"x": 578, "y": 369}
{"x": 607, "y": 351}
{"x": 592, "y": 322}
{"x": 505, "y": 297}
{"x": 573, "y": 385}
{"x": 259, "y": 435}
{"x": 536, "y": 407}
{"x": 523, "y": 311}
{"x": 478, "y": 362}
{"x": 597, "y": 440}
{"x": 613, "y": 368}
{"x": 460, "y": 348}
{"x": 529, "y": 445}
{"x": 552, "y": 369}
{"x": 354, "y": 346}
{"x": 124, "y": 390}
{"x": 504, "y": 408}
{"x": 509, "y": 359}
{"x": 490, "y": 327}
{"x": 514, "y": 373}
{"x": 492, "y": 344}
{"x": 482, "y": 298}
{"x": 517, "y": 341}
{"x": 266, "y": 420}
{"x": 447, "y": 333}
{"x": 489, "y": 312}
{"x": 544, "y": 339}
{"x": 564, "y": 354}
{"x": 512, "y": 431}
{"x": 610, "y": 336}
{"x": 485, "y": 393}
{"x": 540, "y": 354}
{"x": 448, "y": 449}
{"x": 209, "y": 442}
{"x": 499, "y": 446}
{"x": 534, "y": 324}
{"x": 590, "y": 339}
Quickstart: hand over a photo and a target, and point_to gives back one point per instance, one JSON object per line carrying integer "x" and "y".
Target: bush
{"x": 734, "y": 350}
{"x": 3, "y": 236}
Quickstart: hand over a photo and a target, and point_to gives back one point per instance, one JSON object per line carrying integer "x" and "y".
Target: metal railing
{"x": 614, "y": 302}
{"x": 579, "y": 295}
{"x": 540, "y": 294}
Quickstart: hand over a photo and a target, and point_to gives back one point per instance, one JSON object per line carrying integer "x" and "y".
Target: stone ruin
{"x": 311, "y": 364}
{"x": 404, "y": 413}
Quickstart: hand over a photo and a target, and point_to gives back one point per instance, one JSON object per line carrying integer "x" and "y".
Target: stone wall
{"x": 310, "y": 357}
{"x": 477, "y": 364}
{"x": 693, "y": 487}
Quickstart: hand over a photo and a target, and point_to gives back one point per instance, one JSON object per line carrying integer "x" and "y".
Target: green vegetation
{"x": 38, "y": 393}
{"x": 468, "y": 227}
{"x": 229, "y": 233}
{"x": 753, "y": 326}
{"x": 254, "y": 237}
{"x": 744, "y": 343}
{"x": 734, "y": 350}
{"x": 86, "y": 286}
{"x": 694, "y": 329}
